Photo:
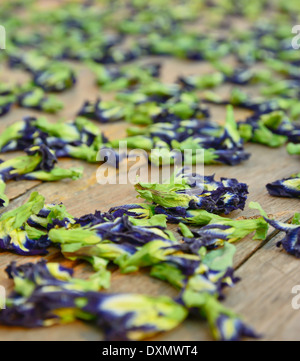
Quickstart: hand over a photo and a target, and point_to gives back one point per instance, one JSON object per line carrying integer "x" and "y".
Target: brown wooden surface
{"x": 268, "y": 274}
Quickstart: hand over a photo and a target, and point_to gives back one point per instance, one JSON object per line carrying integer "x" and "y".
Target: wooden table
{"x": 268, "y": 274}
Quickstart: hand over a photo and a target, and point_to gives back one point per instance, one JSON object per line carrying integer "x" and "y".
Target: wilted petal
{"x": 232, "y": 329}
{"x": 287, "y": 187}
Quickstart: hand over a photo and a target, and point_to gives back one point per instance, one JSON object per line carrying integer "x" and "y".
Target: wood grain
{"x": 268, "y": 274}
{"x": 265, "y": 296}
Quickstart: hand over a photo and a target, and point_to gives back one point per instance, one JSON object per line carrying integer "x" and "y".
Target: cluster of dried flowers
{"x": 171, "y": 118}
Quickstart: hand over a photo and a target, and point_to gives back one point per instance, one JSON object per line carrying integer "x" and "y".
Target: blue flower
{"x": 291, "y": 242}
{"x": 17, "y": 236}
{"x": 232, "y": 329}
{"x": 55, "y": 77}
{"x": 6, "y": 102}
{"x": 193, "y": 191}
{"x": 287, "y": 187}
{"x": 46, "y": 294}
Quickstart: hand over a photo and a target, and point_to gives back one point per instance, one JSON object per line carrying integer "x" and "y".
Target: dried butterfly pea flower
{"x": 47, "y": 294}
{"x": 200, "y": 279}
{"x": 284, "y": 68}
{"x": 230, "y": 157}
{"x": 287, "y": 88}
{"x": 136, "y": 231}
{"x": 124, "y": 77}
{"x": 151, "y": 109}
{"x": 240, "y": 99}
{"x": 30, "y": 61}
{"x": 56, "y": 77}
{"x": 170, "y": 112}
{"x": 214, "y": 274}
{"x": 135, "y": 142}
{"x": 36, "y": 99}
{"x": 17, "y": 236}
{"x": 232, "y": 137}
{"x": 6, "y": 102}
{"x": 201, "y": 82}
{"x": 277, "y": 121}
{"x": 3, "y": 198}
{"x": 203, "y": 291}
{"x": 24, "y": 133}
{"x": 225, "y": 324}
{"x": 245, "y": 76}
{"x": 147, "y": 113}
{"x": 133, "y": 316}
{"x": 200, "y": 292}
{"x": 157, "y": 251}
{"x": 85, "y": 43}
{"x": 116, "y": 55}
{"x": 20, "y": 135}
{"x": 237, "y": 229}
{"x": 22, "y": 39}
{"x": 185, "y": 45}
{"x": 152, "y": 253}
{"x": 207, "y": 156}
{"x": 192, "y": 191}
{"x": 105, "y": 75}
{"x": 158, "y": 19}
{"x": 290, "y": 242}
{"x": 226, "y": 146}
{"x": 132, "y": 210}
{"x": 39, "y": 164}
{"x": 293, "y": 149}
{"x": 209, "y": 236}
{"x": 290, "y": 130}
{"x": 217, "y": 232}
{"x": 287, "y": 187}
{"x": 154, "y": 91}
{"x": 102, "y": 111}
{"x": 94, "y": 219}
{"x": 6, "y": 89}
{"x": 121, "y": 230}
{"x": 39, "y": 157}
{"x": 260, "y": 128}
{"x": 80, "y": 139}
{"x": 217, "y": 144}
{"x": 74, "y": 133}
{"x": 87, "y": 245}
{"x": 186, "y": 106}
{"x": 50, "y": 216}
{"x": 54, "y": 174}
{"x": 102, "y": 237}
{"x": 25, "y": 242}
{"x": 182, "y": 130}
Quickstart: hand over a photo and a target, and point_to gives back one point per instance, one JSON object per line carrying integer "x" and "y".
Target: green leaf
{"x": 220, "y": 259}
{"x": 185, "y": 231}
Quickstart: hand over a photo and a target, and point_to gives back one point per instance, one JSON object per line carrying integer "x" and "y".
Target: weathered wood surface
{"x": 268, "y": 274}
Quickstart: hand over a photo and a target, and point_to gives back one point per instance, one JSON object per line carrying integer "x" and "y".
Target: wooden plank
{"x": 85, "y": 196}
{"x": 268, "y": 273}
{"x": 265, "y": 296}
